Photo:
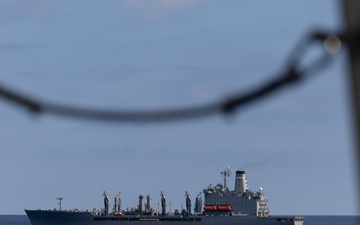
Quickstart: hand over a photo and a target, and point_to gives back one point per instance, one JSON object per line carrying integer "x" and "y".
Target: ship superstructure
{"x": 240, "y": 206}
{"x": 219, "y": 199}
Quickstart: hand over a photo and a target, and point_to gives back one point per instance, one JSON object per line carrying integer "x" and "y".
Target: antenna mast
{"x": 225, "y": 173}
{"x": 60, "y": 199}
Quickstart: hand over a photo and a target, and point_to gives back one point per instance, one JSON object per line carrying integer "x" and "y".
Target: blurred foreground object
{"x": 352, "y": 25}
{"x": 293, "y": 72}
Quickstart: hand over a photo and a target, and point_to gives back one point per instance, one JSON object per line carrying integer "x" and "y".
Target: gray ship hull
{"x": 52, "y": 217}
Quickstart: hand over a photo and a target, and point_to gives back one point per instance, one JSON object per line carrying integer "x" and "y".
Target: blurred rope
{"x": 294, "y": 72}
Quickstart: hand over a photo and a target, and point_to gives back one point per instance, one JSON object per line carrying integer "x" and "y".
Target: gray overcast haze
{"x": 138, "y": 54}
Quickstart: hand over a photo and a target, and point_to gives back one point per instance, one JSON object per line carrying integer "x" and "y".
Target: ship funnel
{"x": 163, "y": 203}
{"x": 106, "y": 203}
{"x": 117, "y": 203}
{"x": 188, "y": 203}
{"x": 148, "y": 203}
{"x": 198, "y": 203}
{"x": 241, "y": 185}
{"x": 141, "y": 203}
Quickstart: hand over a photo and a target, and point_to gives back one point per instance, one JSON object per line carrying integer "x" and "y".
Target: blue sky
{"x": 138, "y": 55}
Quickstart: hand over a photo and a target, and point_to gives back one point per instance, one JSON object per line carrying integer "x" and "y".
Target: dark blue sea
{"x": 309, "y": 220}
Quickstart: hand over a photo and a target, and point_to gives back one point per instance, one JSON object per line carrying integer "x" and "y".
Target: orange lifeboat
{"x": 210, "y": 208}
{"x": 117, "y": 213}
{"x": 224, "y": 208}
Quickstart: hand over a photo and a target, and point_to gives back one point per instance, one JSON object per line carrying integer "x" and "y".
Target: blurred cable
{"x": 352, "y": 26}
{"x": 293, "y": 73}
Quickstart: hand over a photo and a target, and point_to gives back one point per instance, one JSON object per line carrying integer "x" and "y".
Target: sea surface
{"x": 309, "y": 220}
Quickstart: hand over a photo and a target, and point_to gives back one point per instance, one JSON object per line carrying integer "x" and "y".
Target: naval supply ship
{"x": 222, "y": 206}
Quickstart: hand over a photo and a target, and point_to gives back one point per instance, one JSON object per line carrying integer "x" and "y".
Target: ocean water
{"x": 309, "y": 220}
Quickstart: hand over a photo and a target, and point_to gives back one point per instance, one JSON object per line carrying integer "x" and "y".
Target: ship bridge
{"x": 220, "y": 200}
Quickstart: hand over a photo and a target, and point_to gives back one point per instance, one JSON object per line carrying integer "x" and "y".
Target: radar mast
{"x": 60, "y": 198}
{"x": 225, "y": 173}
